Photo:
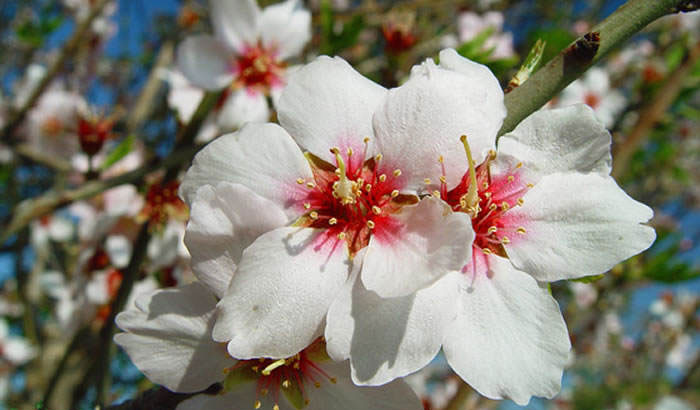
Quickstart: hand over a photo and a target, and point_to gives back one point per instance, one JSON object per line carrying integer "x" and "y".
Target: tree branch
{"x": 571, "y": 63}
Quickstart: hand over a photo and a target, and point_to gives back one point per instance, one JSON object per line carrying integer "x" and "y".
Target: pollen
{"x": 370, "y": 224}
{"x": 313, "y": 215}
{"x": 397, "y": 172}
{"x": 310, "y": 185}
{"x": 376, "y": 210}
{"x": 300, "y": 181}
{"x": 521, "y": 230}
{"x": 395, "y": 193}
{"x": 332, "y": 221}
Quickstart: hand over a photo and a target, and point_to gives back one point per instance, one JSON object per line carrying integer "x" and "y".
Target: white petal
{"x": 235, "y": 22}
{"x": 241, "y": 107}
{"x": 559, "y": 140}
{"x": 243, "y": 396}
{"x": 205, "y": 62}
{"x": 17, "y": 350}
{"x": 279, "y": 296}
{"x": 509, "y": 339}
{"x": 224, "y": 220}
{"x": 183, "y": 97}
{"x": 327, "y": 103}
{"x": 577, "y": 225}
{"x": 118, "y": 247}
{"x": 424, "y": 119}
{"x": 262, "y": 157}
{"x": 431, "y": 241}
{"x": 344, "y": 395}
{"x": 169, "y": 338}
{"x": 388, "y": 338}
{"x": 286, "y": 28}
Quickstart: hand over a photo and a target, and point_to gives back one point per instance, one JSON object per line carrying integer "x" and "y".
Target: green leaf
{"x": 119, "y": 152}
{"x": 588, "y": 279}
{"x": 474, "y": 48}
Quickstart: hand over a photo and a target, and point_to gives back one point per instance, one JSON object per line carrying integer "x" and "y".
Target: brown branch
{"x": 649, "y": 116}
{"x": 160, "y": 398}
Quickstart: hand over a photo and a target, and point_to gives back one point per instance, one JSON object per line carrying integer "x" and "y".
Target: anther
{"x": 313, "y": 215}
{"x": 397, "y": 172}
{"x": 505, "y": 206}
{"x": 263, "y": 392}
{"x": 505, "y": 240}
{"x": 443, "y": 179}
{"x": 520, "y": 201}
{"x": 427, "y": 181}
{"x": 492, "y": 229}
{"x": 276, "y": 407}
{"x": 436, "y": 194}
{"x": 332, "y": 221}
{"x": 341, "y": 236}
{"x": 530, "y": 185}
{"x": 257, "y": 404}
{"x": 511, "y": 178}
{"x": 317, "y": 385}
{"x": 365, "y": 140}
{"x": 286, "y": 384}
{"x": 370, "y": 224}
{"x": 300, "y": 181}
{"x": 441, "y": 159}
{"x": 487, "y": 251}
{"x": 307, "y": 205}
{"x": 378, "y": 157}
{"x": 493, "y": 207}
{"x": 395, "y": 193}
{"x": 310, "y": 184}
{"x": 521, "y": 230}
{"x": 382, "y": 178}
{"x": 333, "y": 380}
{"x": 350, "y": 151}
{"x": 376, "y": 210}
{"x": 368, "y": 187}
{"x": 519, "y": 165}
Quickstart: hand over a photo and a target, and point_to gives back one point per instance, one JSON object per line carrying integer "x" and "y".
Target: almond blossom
{"x": 168, "y": 337}
{"x": 543, "y": 208}
{"x": 290, "y": 223}
{"x": 594, "y": 90}
{"x": 247, "y": 54}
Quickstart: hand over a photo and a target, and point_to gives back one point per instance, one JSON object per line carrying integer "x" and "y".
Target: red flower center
{"x": 162, "y": 203}
{"x": 352, "y": 200}
{"x": 592, "y": 100}
{"x": 258, "y": 69}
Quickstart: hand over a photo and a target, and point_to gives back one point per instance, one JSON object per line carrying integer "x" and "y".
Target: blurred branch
{"x": 52, "y": 161}
{"x": 68, "y": 50}
{"x": 650, "y": 115}
{"x": 573, "y": 61}
{"x": 160, "y": 398}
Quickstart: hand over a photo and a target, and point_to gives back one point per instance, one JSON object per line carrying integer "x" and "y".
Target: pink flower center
{"x": 292, "y": 376}
{"x": 592, "y": 100}
{"x": 352, "y": 200}
{"x": 258, "y": 69}
{"x": 494, "y": 196}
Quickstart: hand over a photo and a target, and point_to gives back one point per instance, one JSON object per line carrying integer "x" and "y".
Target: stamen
{"x": 272, "y": 366}
{"x": 376, "y": 210}
{"x": 370, "y": 224}
{"x": 378, "y": 157}
{"x": 427, "y": 181}
{"x": 313, "y": 215}
{"x": 341, "y": 236}
{"x": 397, "y": 172}
{"x": 505, "y": 240}
{"x": 511, "y": 178}
{"x": 443, "y": 179}
{"x": 286, "y": 384}
{"x": 307, "y": 205}
{"x": 382, "y": 178}
{"x": 395, "y": 193}
{"x": 257, "y": 404}
{"x": 368, "y": 187}
{"x": 300, "y": 181}
{"x": 436, "y": 194}
{"x": 472, "y": 196}
{"x": 350, "y": 152}
{"x": 343, "y": 188}
{"x": 521, "y": 230}
{"x": 276, "y": 407}
{"x": 332, "y": 221}
{"x": 520, "y": 201}
{"x": 492, "y": 229}
{"x": 310, "y": 184}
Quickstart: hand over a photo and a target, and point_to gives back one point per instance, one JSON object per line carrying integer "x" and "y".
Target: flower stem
{"x": 574, "y": 60}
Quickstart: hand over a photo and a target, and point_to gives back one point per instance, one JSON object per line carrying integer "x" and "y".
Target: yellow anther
{"x": 487, "y": 251}
{"x": 505, "y": 206}
{"x": 307, "y": 205}
{"x": 255, "y": 368}
{"x": 310, "y": 184}
{"x": 492, "y": 229}
{"x": 427, "y": 181}
{"x": 472, "y": 196}
{"x": 436, "y": 194}
{"x": 376, "y": 210}
{"x": 378, "y": 157}
{"x": 272, "y": 366}
{"x": 492, "y": 154}
{"x": 382, "y": 178}
{"x": 397, "y": 172}
{"x": 286, "y": 384}
{"x": 333, "y": 380}
{"x": 487, "y": 194}
{"x": 343, "y": 188}
{"x": 276, "y": 407}
{"x": 313, "y": 215}
{"x": 300, "y": 181}
{"x": 511, "y": 178}
{"x": 530, "y": 185}
{"x": 505, "y": 240}
{"x": 493, "y": 207}
{"x": 370, "y": 224}
{"x": 317, "y": 385}
{"x": 520, "y": 201}
{"x": 519, "y": 165}
{"x": 521, "y": 230}
{"x": 350, "y": 152}
{"x": 368, "y": 187}
{"x": 485, "y": 185}
{"x": 365, "y": 140}
{"x": 443, "y": 179}
{"x": 395, "y": 193}
{"x": 263, "y": 392}
{"x": 341, "y": 236}
{"x": 332, "y": 221}
{"x": 441, "y": 159}
{"x": 257, "y": 404}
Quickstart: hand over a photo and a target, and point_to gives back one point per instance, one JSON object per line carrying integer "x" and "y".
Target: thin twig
{"x": 571, "y": 63}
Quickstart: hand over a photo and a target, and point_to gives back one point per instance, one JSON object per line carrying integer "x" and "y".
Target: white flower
{"x": 288, "y": 223}
{"x": 544, "y": 209}
{"x": 594, "y": 90}
{"x": 168, "y": 337}
{"x": 248, "y": 50}
{"x": 585, "y": 294}
{"x": 16, "y": 350}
